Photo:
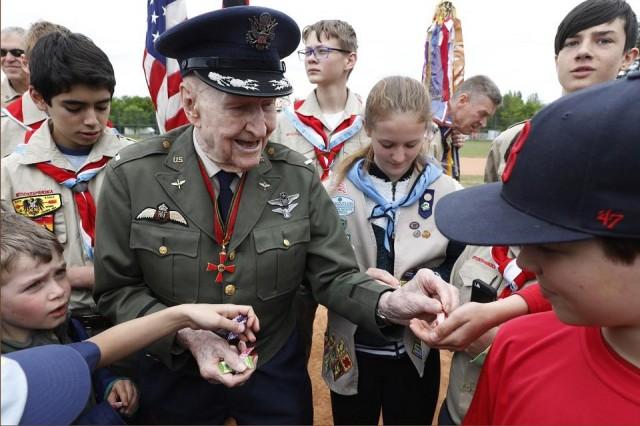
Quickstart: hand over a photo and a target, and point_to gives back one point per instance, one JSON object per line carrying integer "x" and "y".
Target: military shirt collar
{"x": 211, "y": 167}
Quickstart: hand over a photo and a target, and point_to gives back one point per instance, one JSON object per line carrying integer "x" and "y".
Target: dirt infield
{"x": 472, "y": 166}
{"x": 321, "y": 399}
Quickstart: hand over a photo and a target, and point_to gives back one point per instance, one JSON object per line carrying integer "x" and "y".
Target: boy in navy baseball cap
{"x": 569, "y": 196}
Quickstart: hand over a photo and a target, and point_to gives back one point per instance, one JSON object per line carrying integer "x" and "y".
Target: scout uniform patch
{"x": 336, "y": 356}
{"x": 39, "y": 208}
{"x": 425, "y": 203}
{"x": 344, "y": 205}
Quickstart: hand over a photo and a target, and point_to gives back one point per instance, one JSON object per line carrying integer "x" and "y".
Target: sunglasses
{"x": 15, "y": 52}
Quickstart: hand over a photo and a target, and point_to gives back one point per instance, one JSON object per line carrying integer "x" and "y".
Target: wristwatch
{"x": 381, "y": 320}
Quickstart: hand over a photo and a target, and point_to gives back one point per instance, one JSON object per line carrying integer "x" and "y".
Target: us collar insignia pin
{"x": 178, "y": 183}
{"x": 285, "y": 204}
{"x": 264, "y": 185}
{"x": 162, "y": 214}
{"x": 262, "y": 31}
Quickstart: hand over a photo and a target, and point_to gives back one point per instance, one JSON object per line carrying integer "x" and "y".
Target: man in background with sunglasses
{"x": 327, "y": 125}
{"x": 16, "y": 80}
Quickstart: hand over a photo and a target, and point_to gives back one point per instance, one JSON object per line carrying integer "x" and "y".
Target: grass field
{"x": 475, "y": 149}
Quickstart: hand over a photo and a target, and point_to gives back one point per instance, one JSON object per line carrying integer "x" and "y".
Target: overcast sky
{"x": 511, "y": 41}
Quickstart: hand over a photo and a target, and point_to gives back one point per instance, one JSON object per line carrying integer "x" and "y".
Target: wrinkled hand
{"x": 383, "y": 277}
{"x": 458, "y": 139}
{"x": 209, "y": 349}
{"x": 124, "y": 397}
{"x": 461, "y": 328}
{"x": 213, "y": 317}
{"x": 425, "y": 296}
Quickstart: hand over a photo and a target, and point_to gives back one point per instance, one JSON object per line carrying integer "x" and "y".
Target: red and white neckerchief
{"x": 16, "y": 113}
{"x": 512, "y": 273}
{"x": 78, "y": 182}
{"x": 326, "y": 148}
{"x": 222, "y": 232}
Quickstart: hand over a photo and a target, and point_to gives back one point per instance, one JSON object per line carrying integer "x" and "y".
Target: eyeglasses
{"x": 320, "y": 52}
{"x": 15, "y": 52}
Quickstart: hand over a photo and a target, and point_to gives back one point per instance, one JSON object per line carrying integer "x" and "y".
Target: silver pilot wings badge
{"x": 285, "y": 204}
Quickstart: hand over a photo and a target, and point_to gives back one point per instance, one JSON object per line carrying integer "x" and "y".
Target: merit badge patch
{"x": 344, "y": 205}
{"x": 336, "y": 356}
{"x": 425, "y": 204}
{"x": 162, "y": 214}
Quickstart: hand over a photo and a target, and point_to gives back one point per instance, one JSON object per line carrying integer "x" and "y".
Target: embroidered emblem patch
{"x": 37, "y": 205}
{"x": 285, "y": 203}
{"x": 336, "y": 357}
{"x": 425, "y": 204}
{"x": 417, "y": 349}
{"x": 262, "y": 32}
{"x": 344, "y": 205}
{"x": 162, "y": 215}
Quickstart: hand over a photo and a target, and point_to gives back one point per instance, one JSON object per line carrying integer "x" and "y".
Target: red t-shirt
{"x": 542, "y": 371}
{"x": 534, "y": 298}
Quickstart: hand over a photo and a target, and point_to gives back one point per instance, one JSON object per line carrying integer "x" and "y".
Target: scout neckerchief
{"x": 17, "y": 114}
{"x": 513, "y": 275}
{"x": 222, "y": 232}
{"x": 78, "y": 183}
{"x": 312, "y": 129}
{"x": 383, "y": 207}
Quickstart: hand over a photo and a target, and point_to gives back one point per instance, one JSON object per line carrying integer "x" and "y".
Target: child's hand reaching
{"x": 124, "y": 397}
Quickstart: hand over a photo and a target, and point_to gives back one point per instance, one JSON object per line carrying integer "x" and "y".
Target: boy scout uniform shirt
{"x": 475, "y": 262}
{"x": 145, "y": 263}
{"x": 495, "y": 159}
{"x": 417, "y": 243}
{"x": 7, "y": 93}
{"x": 31, "y": 193}
{"x": 288, "y": 135}
{"x": 13, "y": 134}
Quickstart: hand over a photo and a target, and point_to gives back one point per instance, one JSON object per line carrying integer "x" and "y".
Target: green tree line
{"x": 515, "y": 109}
{"x": 133, "y": 112}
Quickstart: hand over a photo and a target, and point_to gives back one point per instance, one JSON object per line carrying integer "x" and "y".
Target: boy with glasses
{"x": 16, "y": 81}
{"x": 327, "y": 125}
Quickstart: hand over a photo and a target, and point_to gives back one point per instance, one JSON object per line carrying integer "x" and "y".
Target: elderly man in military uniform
{"x": 214, "y": 213}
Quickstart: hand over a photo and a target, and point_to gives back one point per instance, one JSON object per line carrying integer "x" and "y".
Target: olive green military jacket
{"x": 146, "y": 260}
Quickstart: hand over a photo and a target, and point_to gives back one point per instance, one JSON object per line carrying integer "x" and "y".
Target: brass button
{"x": 230, "y": 289}
{"x": 166, "y": 144}
{"x": 163, "y": 250}
{"x": 271, "y": 150}
{"x": 232, "y": 255}
{"x": 286, "y": 243}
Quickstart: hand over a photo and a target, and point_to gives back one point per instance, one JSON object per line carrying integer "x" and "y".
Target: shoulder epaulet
{"x": 279, "y": 152}
{"x": 519, "y": 123}
{"x": 155, "y": 145}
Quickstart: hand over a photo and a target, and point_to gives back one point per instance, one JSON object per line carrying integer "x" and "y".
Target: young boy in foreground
{"x": 567, "y": 198}
{"x": 34, "y": 306}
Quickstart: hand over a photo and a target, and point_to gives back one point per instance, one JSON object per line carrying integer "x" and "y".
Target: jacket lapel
{"x": 183, "y": 183}
{"x": 258, "y": 189}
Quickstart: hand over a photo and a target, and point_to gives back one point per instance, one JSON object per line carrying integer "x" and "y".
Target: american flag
{"x": 163, "y": 74}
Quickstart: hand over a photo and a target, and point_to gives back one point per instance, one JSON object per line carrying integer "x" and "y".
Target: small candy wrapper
{"x": 225, "y": 369}
{"x": 230, "y": 335}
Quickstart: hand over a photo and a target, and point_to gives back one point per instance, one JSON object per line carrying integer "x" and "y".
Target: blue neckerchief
{"x": 384, "y": 208}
